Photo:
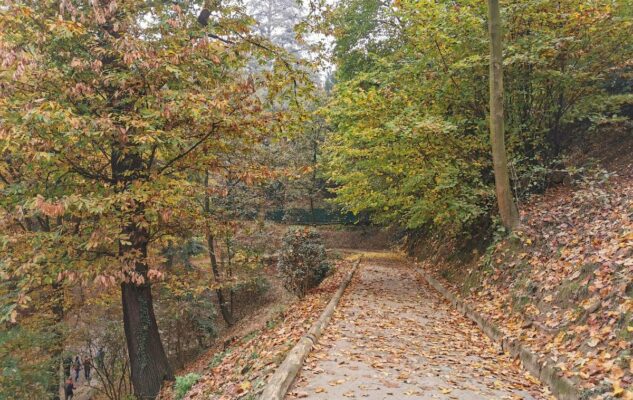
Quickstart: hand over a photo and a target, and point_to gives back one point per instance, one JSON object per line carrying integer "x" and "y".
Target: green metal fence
{"x": 318, "y": 216}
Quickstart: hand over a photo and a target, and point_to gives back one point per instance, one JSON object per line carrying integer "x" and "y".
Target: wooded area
{"x": 161, "y": 161}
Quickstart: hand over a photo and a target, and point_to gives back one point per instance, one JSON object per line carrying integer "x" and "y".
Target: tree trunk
{"x": 57, "y": 341}
{"x": 148, "y": 362}
{"x": 507, "y": 208}
{"x": 315, "y": 149}
{"x": 224, "y": 308}
{"x": 312, "y": 216}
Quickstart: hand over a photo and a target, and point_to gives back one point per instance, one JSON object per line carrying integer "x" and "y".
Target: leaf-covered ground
{"x": 393, "y": 337}
{"x": 242, "y": 367}
{"x": 564, "y": 283}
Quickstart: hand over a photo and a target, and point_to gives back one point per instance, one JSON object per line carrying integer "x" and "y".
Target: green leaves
{"x": 409, "y": 110}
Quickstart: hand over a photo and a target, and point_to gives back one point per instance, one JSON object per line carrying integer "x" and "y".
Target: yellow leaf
{"x": 617, "y": 389}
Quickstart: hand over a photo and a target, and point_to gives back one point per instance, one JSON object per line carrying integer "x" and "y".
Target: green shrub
{"x": 184, "y": 384}
{"x": 302, "y": 262}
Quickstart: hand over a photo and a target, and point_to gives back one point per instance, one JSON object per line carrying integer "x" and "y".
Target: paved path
{"x": 394, "y": 338}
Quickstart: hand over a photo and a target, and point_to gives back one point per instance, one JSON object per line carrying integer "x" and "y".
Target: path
{"x": 84, "y": 389}
{"x": 394, "y": 338}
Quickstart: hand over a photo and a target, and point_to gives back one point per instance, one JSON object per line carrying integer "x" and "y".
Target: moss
{"x": 623, "y": 358}
{"x": 571, "y": 291}
{"x": 586, "y": 269}
{"x": 143, "y": 333}
{"x": 531, "y": 287}
{"x": 567, "y": 293}
{"x": 595, "y": 392}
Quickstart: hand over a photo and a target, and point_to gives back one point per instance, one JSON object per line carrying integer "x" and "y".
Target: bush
{"x": 184, "y": 384}
{"x": 302, "y": 262}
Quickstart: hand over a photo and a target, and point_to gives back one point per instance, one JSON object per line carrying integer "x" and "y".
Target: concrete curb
{"x": 280, "y": 382}
{"x": 543, "y": 368}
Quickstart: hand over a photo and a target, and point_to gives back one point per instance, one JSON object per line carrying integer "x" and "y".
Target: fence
{"x": 317, "y": 216}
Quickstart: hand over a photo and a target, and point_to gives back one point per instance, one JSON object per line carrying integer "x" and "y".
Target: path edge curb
{"x": 543, "y": 368}
{"x": 280, "y": 382}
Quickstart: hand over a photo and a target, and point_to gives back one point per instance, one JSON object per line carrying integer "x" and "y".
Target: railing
{"x": 317, "y": 216}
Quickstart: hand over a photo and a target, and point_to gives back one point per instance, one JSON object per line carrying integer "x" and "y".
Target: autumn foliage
{"x": 145, "y": 147}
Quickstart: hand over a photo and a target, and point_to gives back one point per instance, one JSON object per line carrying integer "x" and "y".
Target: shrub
{"x": 302, "y": 262}
{"x": 184, "y": 384}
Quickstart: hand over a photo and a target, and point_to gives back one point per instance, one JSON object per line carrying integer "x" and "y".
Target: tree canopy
{"x": 409, "y": 109}
{"x": 108, "y": 111}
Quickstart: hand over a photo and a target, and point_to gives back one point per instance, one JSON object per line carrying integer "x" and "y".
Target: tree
{"x": 276, "y": 20}
{"x": 507, "y": 207}
{"x": 109, "y": 105}
{"x": 410, "y": 141}
{"x": 225, "y": 308}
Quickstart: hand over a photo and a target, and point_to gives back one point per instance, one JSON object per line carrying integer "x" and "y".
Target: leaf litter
{"x": 241, "y": 369}
{"x": 393, "y": 337}
{"x": 563, "y": 284}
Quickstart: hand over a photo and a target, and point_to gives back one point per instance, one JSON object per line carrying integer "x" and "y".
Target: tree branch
{"x": 190, "y": 149}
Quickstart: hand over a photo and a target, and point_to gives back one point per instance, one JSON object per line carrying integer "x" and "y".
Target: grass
{"x": 218, "y": 357}
{"x": 249, "y": 336}
{"x": 184, "y": 384}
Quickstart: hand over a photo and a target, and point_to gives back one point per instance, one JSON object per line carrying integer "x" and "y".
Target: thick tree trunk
{"x": 148, "y": 362}
{"x": 507, "y": 208}
{"x": 224, "y": 307}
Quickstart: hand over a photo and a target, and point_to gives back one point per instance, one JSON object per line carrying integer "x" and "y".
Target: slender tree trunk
{"x": 312, "y": 216}
{"x": 56, "y": 343}
{"x": 507, "y": 208}
{"x": 315, "y": 149}
{"x": 230, "y": 272}
{"x": 224, "y": 307}
{"x": 57, "y": 340}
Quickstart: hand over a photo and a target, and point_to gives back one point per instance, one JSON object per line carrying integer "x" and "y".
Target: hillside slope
{"x": 563, "y": 283}
{"x": 241, "y": 367}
